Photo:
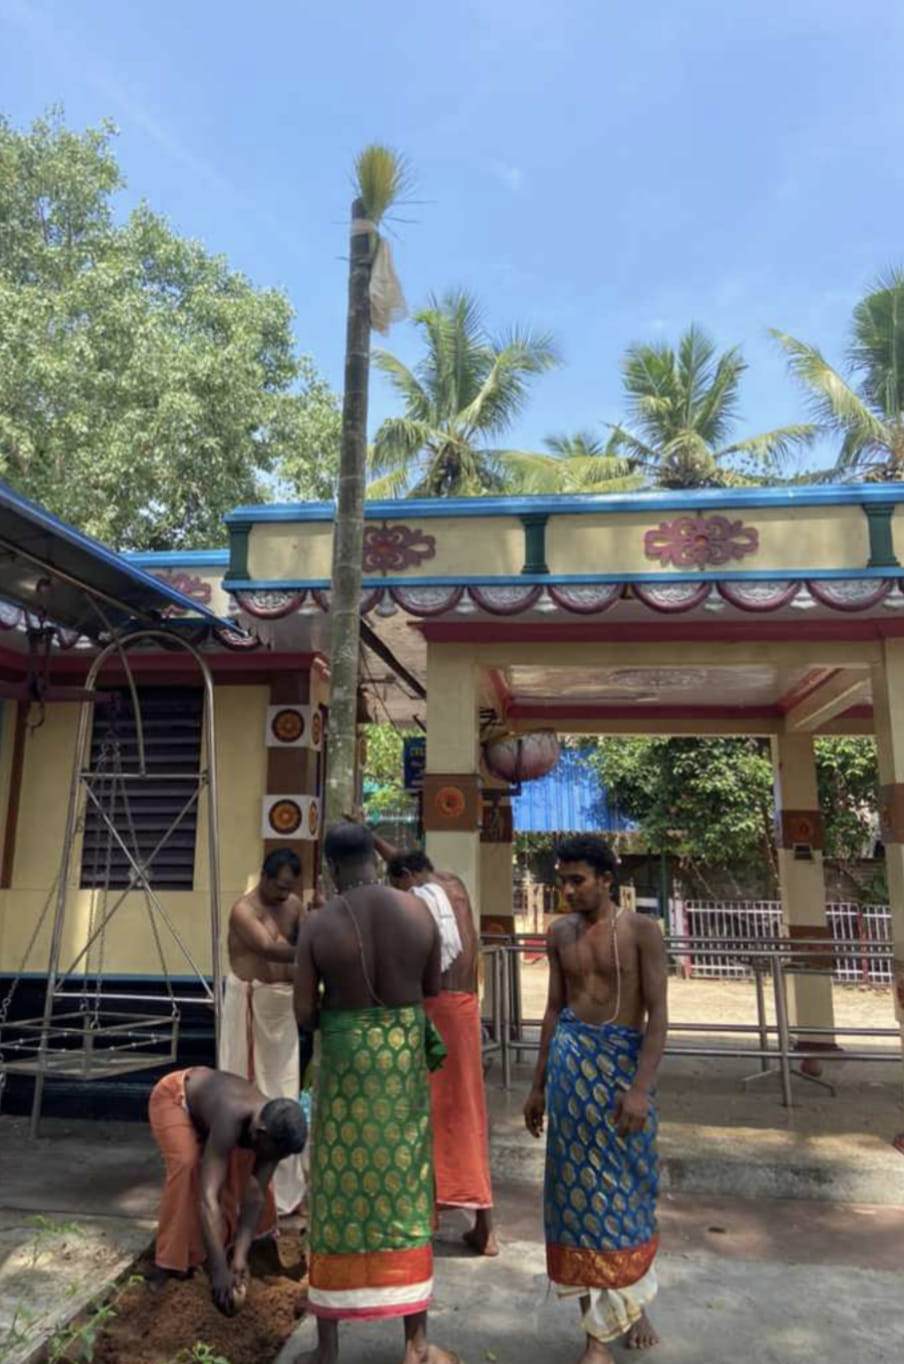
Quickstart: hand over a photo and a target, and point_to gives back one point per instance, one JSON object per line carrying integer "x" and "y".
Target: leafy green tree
{"x": 683, "y": 408}
{"x": 847, "y": 774}
{"x": 866, "y": 409}
{"x": 707, "y": 802}
{"x": 384, "y": 793}
{"x": 710, "y": 803}
{"x": 145, "y": 387}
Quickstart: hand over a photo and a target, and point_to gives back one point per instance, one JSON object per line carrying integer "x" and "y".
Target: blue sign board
{"x": 414, "y": 761}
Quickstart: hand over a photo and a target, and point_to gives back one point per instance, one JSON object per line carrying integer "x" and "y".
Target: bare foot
{"x": 431, "y": 1355}
{"x": 596, "y": 1353}
{"x": 641, "y": 1335}
{"x": 481, "y": 1244}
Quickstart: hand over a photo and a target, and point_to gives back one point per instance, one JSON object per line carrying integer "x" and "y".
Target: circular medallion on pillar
{"x": 452, "y": 803}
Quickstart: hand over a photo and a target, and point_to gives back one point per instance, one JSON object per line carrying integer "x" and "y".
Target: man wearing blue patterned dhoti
{"x": 603, "y": 1037}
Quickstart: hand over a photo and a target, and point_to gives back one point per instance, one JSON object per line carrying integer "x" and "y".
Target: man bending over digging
{"x": 221, "y": 1140}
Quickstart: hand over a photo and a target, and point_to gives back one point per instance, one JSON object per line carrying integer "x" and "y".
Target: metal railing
{"x": 741, "y": 921}
{"x": 779, "y": 1047}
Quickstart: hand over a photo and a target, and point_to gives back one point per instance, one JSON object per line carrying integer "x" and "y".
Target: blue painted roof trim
{"x": 174, "y": 558}
{"x": 686, "y": 500}
{"x": 550, "y": 579}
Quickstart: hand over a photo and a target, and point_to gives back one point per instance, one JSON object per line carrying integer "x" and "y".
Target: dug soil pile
{"x": 153, "y": 1327}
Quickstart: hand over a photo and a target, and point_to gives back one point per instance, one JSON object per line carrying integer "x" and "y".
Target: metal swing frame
{"x": 73, "y": 1044}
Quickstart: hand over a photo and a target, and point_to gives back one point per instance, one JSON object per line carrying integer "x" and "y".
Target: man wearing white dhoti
{"x": 258, "y": 1034}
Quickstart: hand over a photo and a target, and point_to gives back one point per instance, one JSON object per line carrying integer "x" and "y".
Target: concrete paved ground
{"x": 76, "y": 1210}
{"x": 763, "y": 1283}
{"x": 769, "y": 1280}
{"x": 717, "y": 1138}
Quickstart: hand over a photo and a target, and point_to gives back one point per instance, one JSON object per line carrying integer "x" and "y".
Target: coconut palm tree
{"x": 683, "y": 407}
{"x": 460, "y": 399}
{"x": 865, "y": 410}
{"x": 584, "y": 463}
{"x": 380, "y": 180}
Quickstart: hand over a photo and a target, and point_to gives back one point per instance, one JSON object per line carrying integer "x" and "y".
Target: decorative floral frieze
{"x": 191, "y": 586}
{"x": 395, "y": 548}
{"x": 700, "y": 541}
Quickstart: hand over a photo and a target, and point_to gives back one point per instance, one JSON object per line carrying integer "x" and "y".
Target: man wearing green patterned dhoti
{"x": 365, "y": 962}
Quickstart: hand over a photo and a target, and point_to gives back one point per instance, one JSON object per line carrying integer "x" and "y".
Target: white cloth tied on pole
{"x": 387, "y": 302}
{"x": 437, "y": 901}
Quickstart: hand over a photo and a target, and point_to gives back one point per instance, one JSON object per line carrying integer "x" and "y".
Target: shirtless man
{"x": 221, "y": 1139}
{"x": 365, "y": 963}
{"x": 258, "y": 1036}
{"x": 264, "y": 923}
{"x": 603, "y": 1037}
{"x": 460, "y": 1129}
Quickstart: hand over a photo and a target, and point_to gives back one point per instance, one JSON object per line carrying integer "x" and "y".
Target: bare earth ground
{"x": 732, "y": 1001}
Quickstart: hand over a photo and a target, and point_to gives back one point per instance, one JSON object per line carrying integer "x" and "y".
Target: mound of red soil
{"x": 152, "y": 1327}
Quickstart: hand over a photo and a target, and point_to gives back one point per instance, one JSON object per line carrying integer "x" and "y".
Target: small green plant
{"x": 199, "y": 1354}
{"x": 79, "y": 1338}
{"x": 47, "y": 1230}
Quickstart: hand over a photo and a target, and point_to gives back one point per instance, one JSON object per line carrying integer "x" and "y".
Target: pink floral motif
{"x": 189, "y": 585}
{"x": 391, "y": 549}
{"x": 698, "y": 541}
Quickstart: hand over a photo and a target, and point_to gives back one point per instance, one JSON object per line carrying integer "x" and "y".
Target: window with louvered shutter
{"x": 142, "y": 811}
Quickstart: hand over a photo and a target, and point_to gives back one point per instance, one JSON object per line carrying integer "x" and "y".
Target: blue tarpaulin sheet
{"x": 570, "y": 799}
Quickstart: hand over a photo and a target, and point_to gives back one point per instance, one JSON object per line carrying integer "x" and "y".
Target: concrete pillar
{"x": 451, "y": 798}
{"x": 801, "y": 872}
{"x": 888, "y": 713}
{"x": 294, "y": 736}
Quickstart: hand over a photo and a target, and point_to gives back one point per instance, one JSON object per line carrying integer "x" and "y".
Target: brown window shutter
{"x": 144, "y": 810}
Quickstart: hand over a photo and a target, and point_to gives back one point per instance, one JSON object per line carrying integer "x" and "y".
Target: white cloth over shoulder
{"x": 259, "y": 1041}
{"x": 437, "y": 901}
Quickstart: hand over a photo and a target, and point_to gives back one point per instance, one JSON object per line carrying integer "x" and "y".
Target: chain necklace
{"x": 617, "y": 959}
{"x": 357, "y": 885}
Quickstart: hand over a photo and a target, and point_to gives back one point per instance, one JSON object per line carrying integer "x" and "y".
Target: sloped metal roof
{"x": 50, "y": 567}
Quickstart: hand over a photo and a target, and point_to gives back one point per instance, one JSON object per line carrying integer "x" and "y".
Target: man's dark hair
{"x": 590, "y": 849}
{"x": 279, "y": 858}
{"x": 413, "y": 860}
{"x": 285, "y": 1125}
{"x": 347, "y": 842}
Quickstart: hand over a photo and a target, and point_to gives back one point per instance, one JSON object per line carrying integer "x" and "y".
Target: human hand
{"x": 222, "y": 1287}
{"x": 534, "y": 1110}
{"x": 632, "y": 1108}
{"x": 356, "y": 816}
{"x": 240, "y": 1284}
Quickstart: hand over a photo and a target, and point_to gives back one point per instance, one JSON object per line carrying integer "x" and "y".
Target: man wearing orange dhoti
{"x": 458, "y": 1101}
{"x": 221, "y": 1141}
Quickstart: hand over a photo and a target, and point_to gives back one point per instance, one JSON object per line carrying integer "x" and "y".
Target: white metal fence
{"x": 743, "y": 922}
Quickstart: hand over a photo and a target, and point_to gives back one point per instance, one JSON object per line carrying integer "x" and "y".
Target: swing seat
{"x": 119, "y": 1044}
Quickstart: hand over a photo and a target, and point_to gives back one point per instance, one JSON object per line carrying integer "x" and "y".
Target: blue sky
{"x": 606, "y": 170}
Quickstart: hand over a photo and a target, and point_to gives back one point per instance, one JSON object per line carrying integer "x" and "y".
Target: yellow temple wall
{"x": 240, "y": 718}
